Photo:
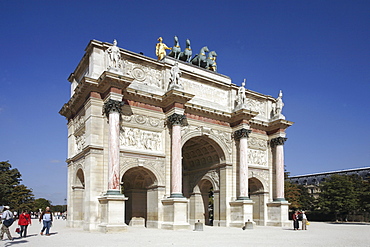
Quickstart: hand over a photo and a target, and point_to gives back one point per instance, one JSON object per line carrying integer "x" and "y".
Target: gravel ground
{"x": 318, "y": 234}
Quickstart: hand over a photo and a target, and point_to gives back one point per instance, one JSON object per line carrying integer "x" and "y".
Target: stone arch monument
{"x": 163, "y": 143}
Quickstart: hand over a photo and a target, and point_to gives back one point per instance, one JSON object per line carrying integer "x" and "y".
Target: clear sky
{"x": 317, "y": 52}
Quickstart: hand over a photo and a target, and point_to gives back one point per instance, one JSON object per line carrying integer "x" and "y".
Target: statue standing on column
{"x": 278, "y": 107}
{"x": 175, "y": 75}
{"x": 241, "y": 98}
{"x": 114, "y": 56}
{"x": 160, "y": 49}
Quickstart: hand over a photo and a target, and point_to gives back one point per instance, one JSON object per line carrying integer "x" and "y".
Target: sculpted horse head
{"x": 176, "y": 49}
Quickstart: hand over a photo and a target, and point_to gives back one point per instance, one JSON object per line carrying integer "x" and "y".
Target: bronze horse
{"x": 186, "y": 54}
{"x": 201, "y": 58}
{"x": 176, "y": 49}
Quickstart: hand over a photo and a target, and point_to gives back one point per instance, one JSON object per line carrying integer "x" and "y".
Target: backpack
{"x": 8, "y": 222}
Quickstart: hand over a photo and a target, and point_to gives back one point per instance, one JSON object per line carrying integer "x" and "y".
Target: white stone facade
{"x": 169, "y": 157}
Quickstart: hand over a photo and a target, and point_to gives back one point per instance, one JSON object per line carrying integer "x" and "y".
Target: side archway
{"x": 140, "y": 185}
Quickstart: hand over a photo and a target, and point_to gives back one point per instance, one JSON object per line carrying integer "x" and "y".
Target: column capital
{"x": 278, "y": 141}
{"x": 177, "y": 119}
{"x": 242, "y": 133}
{"x": 112, "y": 106}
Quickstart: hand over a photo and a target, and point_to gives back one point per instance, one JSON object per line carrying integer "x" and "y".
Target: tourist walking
{"x": 6, "y": 217}
{"x": 23, "y": 222}
{"x": 304, "y": 220}
{"x": 47, "y": 219}
{"x": 296, "y": 220}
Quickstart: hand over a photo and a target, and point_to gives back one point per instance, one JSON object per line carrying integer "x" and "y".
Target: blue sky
{"x": 317, "y": 52}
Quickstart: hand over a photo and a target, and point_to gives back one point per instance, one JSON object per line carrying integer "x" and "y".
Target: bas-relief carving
{"x": 156, "y": 164}
{"x": 206, "y": 92}
{"x": 80, "y": 140}
{"x": 140, "y": 139}
{"x": 256, "y": 105}
{"x": 144, "y": 74}
{"x": 257, "y": 157}
{"x": 78, "y": 122}
{"x": 225, "y": 137}
{"x": 257, "y": 143}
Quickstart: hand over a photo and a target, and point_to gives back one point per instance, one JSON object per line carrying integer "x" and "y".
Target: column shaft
{"x": 243, "y": 169}
{"x": 114, "y": 151}
{"x": 176, "y": 173}
{"x": 279, "y": 156}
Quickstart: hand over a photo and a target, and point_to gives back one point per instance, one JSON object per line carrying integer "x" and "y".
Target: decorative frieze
{"x": 278, "y": 141}
{"x": 112, "y": 106}
{"x": 257, "y": 143}
{"x": 143, "y": 120}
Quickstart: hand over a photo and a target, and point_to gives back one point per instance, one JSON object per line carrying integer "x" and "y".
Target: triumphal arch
{"x": 168, "y": 142}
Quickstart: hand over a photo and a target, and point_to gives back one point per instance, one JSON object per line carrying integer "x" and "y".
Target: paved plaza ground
{"x": 318, "y": 234}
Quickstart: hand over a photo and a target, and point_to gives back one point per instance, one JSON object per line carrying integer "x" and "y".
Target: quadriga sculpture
{"x": 201, "y": 58}
{"x": 187, "y": 53}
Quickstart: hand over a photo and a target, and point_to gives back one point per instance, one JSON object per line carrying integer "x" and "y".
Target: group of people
{"x": 24, "y": 220}
{"x": 297, "y": 216}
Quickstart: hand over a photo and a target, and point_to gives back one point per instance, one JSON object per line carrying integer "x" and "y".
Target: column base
{"x": 241, "y": 211}
{"x": 176, "y": 195}
{"x": 175, "y": 215}
{"x": 112, "y": 207}
{"x": 277, "y": 213}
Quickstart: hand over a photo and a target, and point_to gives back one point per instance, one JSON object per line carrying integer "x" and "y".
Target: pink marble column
{"x": 113, "y": 163}
{"x": 242, "y": 135}
{"x": 176, "y": 121}
{"x": 112, "y": 109}
{"x": 278, "y": 144}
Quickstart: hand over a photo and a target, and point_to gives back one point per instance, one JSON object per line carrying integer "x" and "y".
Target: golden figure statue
{"x": 160, "y": 49}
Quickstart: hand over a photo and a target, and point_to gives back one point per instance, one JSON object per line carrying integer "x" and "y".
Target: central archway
{"x": 202, "y": 158}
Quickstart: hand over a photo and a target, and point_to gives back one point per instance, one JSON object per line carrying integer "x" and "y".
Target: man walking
{"x": 7, "y": 215}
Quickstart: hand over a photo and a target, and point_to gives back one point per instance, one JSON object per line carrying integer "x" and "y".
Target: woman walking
{"x": 23, "y": 222}
{"x": 47, "y": 219}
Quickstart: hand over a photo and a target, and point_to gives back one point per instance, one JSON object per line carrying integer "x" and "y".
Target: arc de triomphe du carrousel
{"x": 168, "y": 142}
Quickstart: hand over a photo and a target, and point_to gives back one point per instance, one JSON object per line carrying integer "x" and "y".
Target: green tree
{"x": 41, "y": 203}
{"x": 21, "y": 198}
{"x": 339, "y": 195}
{"x": 9, "y": 179}
{"x": 306, "y": 199}
{"x": 292, "y": 194}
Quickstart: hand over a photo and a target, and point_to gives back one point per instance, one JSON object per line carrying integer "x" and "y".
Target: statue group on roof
{"x": 201, "y": 59}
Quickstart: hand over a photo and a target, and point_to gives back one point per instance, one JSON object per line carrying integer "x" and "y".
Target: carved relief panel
{"x": 144, "y": 74}
{"x": 139, "y": 138}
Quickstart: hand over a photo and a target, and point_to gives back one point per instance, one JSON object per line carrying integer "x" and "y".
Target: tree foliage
{"x": 9, "y": 179}
{"x": 339, "y": 195}
{"x": 21, "y": 198}
{"x": 292, "y": 194}
{"x": 41, "y": 203}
